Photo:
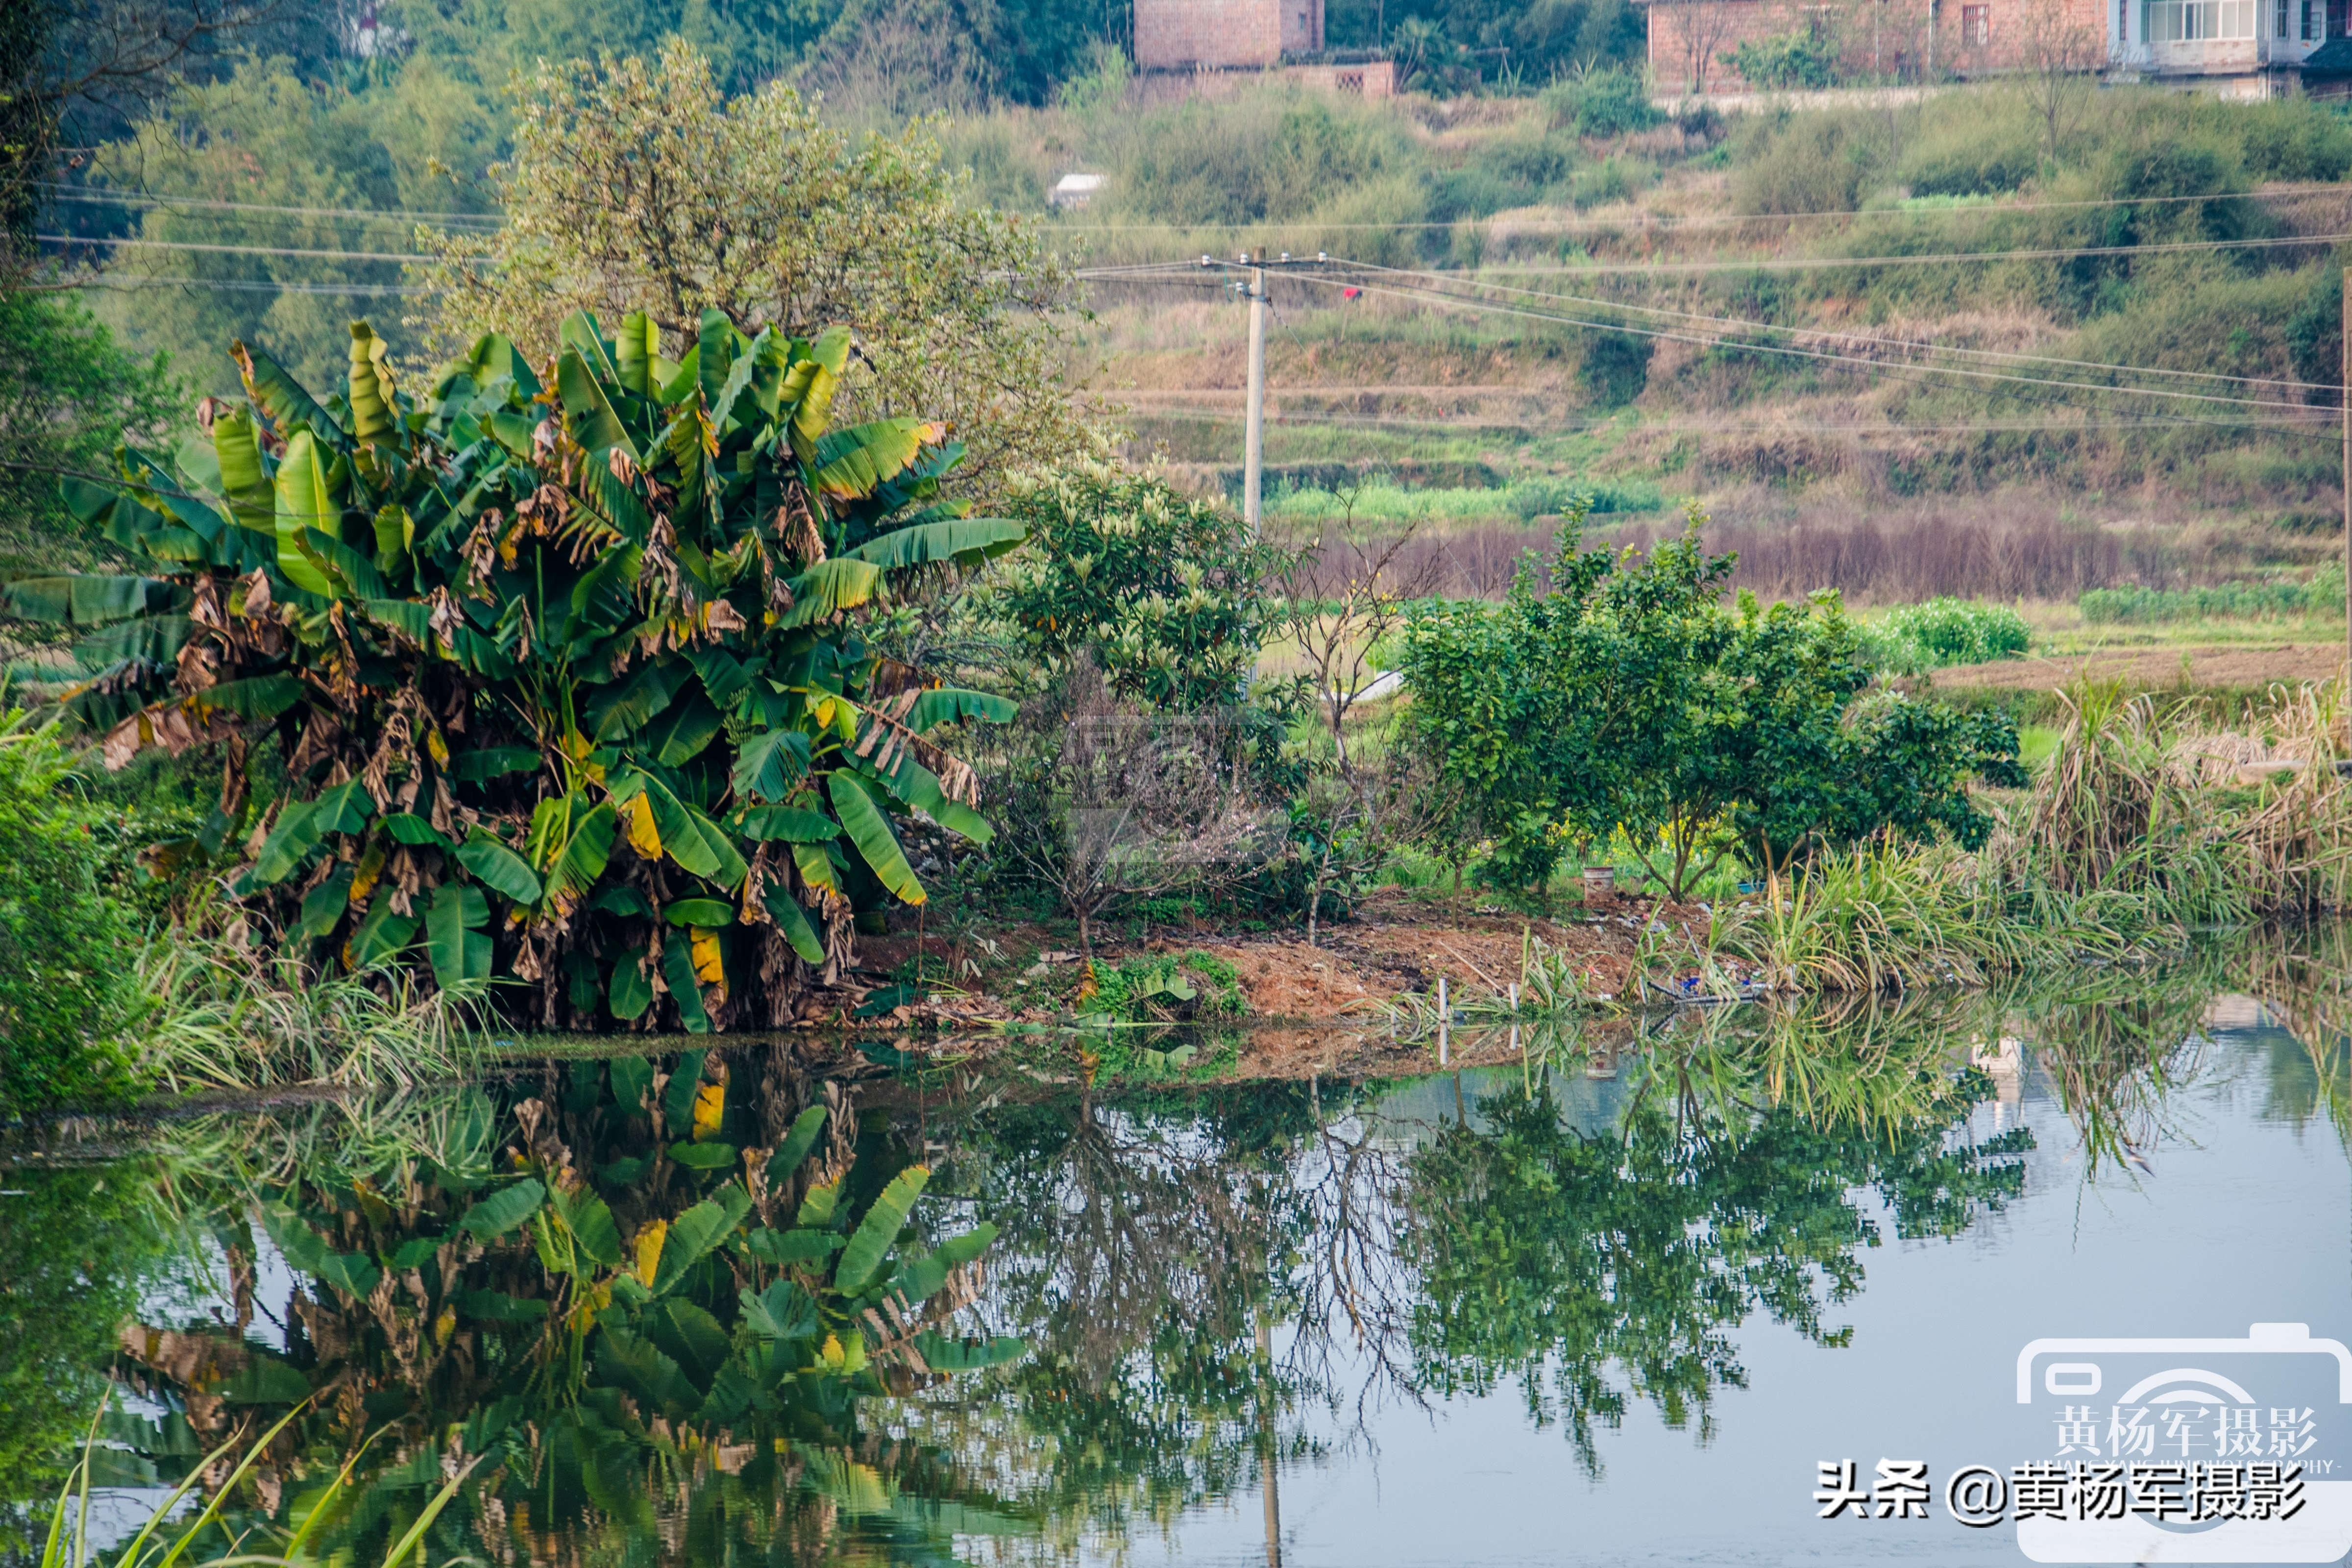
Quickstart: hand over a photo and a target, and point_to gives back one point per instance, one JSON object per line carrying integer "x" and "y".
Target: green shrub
{"x": 66, "y": 998}
{"x": 2323, "y": 595}
{"x": 1787, "y": 60}
{"x": 1805, "y": 164}
{"x": 1614, "y": 367}
{"x": 1168, "y": 593}
{"x": 1603, "y": 104}
{"x": 1945, "y": 631}
{"x": 1629, "y": 698}
{"x": 1982, "y": 154}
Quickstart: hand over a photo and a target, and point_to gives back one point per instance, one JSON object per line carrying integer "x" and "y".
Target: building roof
{"x": 2333, "y": 58}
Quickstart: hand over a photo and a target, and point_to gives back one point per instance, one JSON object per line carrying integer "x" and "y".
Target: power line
{"x": 1883, "y": 367}
{"x": 1439, "y": 280}
{"x": 1715, "y": 428}
{"x": 259, "y": 286}
{"x": 83, "y": 194}
{"x": 135, "y": 244}
{"x": 2054, "y": 252}
{"x": 1645, "y": 223}
{"x": 1804, "y": 263}
{"x": 1438, "y": 296}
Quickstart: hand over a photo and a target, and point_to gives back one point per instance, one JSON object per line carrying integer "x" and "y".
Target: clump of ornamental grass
{"x": 229, "y": 1016}
{"x": 2224, "y": 825}
{"x": 1877, "y": 918}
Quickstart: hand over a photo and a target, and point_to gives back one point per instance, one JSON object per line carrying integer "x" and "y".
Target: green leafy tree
{"x": 1169, "y": 594}
{"x": 1629, "y": 697}
{"x": 565, "y": 678}
{"x": 67, "y": 390}
{"x": 640, "y": 185}
{"x": 66, "y": 1001}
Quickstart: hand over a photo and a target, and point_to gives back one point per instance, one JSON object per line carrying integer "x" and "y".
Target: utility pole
{"x": 1254, "y": 442}
{"x": 2344, "y": 396}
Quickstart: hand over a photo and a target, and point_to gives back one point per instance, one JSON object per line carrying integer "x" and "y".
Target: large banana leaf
{"x": 948, "y": 705}
{"x": 372, "y": 415}
{"x": 281, "y": 399}
{"x": 454, "y": 942}
{"x": 86, "y": 600}
{"x": 964, "y": 541}
{"x": 829, "y": 588}
{"x": 851, "y": 464}
{"x": 869, "y": 1245}
{"x": 245, "y": 481}
{"x": 536, "y": 634}
{"x": 305, "y": 510}
{"x": 589, "y": 412}
{"x": 869, "y": 829}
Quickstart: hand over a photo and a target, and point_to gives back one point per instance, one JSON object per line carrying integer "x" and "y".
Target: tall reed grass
{"x": 165, "y": 1538}
{"x": 2222, "y": 823}
{"x": 226, "y": 1016}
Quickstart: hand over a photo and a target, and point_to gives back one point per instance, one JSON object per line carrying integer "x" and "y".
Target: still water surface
{"x": 1612, "y": 1303}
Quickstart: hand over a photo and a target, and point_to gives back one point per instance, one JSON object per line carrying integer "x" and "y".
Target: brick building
{"x": 1225, "y": 34}
{"x": 2255, "y": 48}
{"x": 1189, "y": 48}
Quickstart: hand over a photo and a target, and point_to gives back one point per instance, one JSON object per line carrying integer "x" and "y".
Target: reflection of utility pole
{"x": 1254, "y": 443}
{"x": 1265, "y": 1455}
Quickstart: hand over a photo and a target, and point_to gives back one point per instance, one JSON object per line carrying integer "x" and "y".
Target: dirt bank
{"x": 1397, "y": 945}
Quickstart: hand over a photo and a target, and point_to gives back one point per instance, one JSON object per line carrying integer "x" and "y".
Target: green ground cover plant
{"x": 2321, "y": 598}
{"x": 1911, "y": 638}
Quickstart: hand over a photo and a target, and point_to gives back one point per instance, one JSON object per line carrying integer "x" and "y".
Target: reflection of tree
{"x": 2115, "y": 1044}
{"x": 646, "y": 1306}
{"x": 1147, "y": 1243}
{"x": 1599, "y": 1270}
{"x": 1144, "y": 1245}
{"x": 77, "y": 1252}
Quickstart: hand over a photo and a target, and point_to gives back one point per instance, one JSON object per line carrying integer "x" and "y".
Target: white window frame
{"x": 2198, "y": 21}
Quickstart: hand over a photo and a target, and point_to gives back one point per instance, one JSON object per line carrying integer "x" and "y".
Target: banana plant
{"x": 562, "y": 664}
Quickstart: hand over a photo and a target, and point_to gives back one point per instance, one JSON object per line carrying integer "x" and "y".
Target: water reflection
{"x": 1193, "y": 1290}
{"x": 643, "y": 1306}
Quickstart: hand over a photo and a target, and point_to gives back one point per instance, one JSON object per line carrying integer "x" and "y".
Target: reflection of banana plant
{"x": 654, "y": 1285}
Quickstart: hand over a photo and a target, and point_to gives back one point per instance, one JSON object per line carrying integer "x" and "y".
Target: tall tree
{"x": 640, "y": 182}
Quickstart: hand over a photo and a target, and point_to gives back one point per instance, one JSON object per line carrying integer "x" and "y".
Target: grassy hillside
{"x": 1582, "y": 205}
{"x": 1587, "y": 295}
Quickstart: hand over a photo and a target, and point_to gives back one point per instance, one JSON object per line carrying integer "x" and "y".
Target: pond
{"x": 1636, "y": 1291}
